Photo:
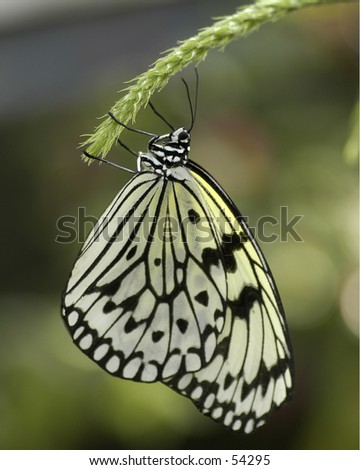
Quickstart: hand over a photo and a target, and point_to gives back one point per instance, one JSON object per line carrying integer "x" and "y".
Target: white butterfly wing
{"x": 138, "y": 301}
{"x": 251, "y": 371}
{"x": 171, "y": 285}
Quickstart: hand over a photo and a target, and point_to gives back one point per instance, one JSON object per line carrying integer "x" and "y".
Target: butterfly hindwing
{"x": 139, "y": 302}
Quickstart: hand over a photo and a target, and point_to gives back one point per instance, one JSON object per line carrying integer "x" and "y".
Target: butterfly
{"x": 171, "y": 286}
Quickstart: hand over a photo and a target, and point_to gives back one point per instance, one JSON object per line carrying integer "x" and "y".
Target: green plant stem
{"x": 193, "y": 50}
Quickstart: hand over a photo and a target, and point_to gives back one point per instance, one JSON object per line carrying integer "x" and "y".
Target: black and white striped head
{"x": 173, "y": 148}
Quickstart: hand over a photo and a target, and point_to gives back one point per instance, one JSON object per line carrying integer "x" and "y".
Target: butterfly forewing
{"x": 251, "y": 371}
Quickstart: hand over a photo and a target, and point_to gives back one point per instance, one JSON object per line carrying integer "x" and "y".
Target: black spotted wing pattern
{"x": 251, "y": 371}
{"x": 138, "y": 301}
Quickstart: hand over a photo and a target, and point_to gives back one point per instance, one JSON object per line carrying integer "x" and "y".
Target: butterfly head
{"x": 172, "y": 148}
{"x": 168, "y": 151}
{"x": 181, "y": 136}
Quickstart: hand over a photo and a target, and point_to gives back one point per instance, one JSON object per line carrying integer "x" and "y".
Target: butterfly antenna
{"x": 130, "y": 128}
{"x": 93, "y": 157}
{"x": 155, "y": 111}
{"x": 196, "y": 95}
{"x": 192, "y": 108}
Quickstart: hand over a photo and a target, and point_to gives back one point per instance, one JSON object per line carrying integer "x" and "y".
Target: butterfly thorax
{"x": 166, "y": 152}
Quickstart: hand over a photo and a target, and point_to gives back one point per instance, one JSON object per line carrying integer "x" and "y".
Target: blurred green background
{"x": 273, "y": 120}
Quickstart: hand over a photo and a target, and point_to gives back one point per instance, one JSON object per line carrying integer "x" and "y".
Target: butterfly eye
{"x": 183, "y": 135}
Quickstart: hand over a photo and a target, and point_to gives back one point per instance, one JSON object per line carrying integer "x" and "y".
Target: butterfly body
{"x": 171, "y": 286}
